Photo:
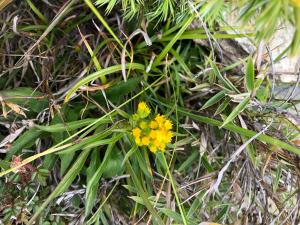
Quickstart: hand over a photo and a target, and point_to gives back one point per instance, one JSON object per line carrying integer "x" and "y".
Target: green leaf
{"x": 172, "y": 214}
{"x": 37, "y": 11}
{"x": 114, "y": 165}
{"x": 104, "y": 141}
{"x": 87, "y": 141}
{"x": 94, "y": 164}
{"x": 65, "y": 161}
{"x": 4, "y": 164}
{"x": 223, "y": 80}
{"x": 189, "y": 161}
{"x": 101, "y": 73}
{"x": 295, "y": 46}
{"x": 122, "y": 88}
{"x": 71, "y": 125}
{"x": 142, "y": 163}
{"x": 175, "y": 38}
{"x": 237, "y": 110}
{"x": 213, "y": 100}
{"x": 27, "y": 139}
{"x": 250, "y": 84}
{"x": 129, "y": 153}
{"x": 143, "y": 194}
{"x": 26, "y": 97}
{"x": 63, "y": 184}
{"x": 92, "y": 185}
{"x": 234, "y": 128}
{"x": 223, "y": 106}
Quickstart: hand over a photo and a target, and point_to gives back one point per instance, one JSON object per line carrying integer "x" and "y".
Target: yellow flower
{"x": 136, "y": 132}
{"x": 143, "y": 110}
{"x": 145, "y": 141}
{"x": 154, "y": 134}
{"x": 168, "y": 125}
{"x": 296, "y": 3}
{"x": 169, "y": 136}
{"x": 160, "y": 119}
{"x": 138, "y": 141}
{"x": 153, "y": 124}
{"x": 153, "y": 148}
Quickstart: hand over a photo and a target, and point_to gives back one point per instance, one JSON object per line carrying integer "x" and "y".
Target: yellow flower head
{"x": 153, "y": 148}
{"x": 136, "y": 132}
{"x": 160, "y": 119}
{"x": 143, "y": 110}
{"x": 168, "y": 125}
{"x": 153, "y": 124}
{"x": 145, "y": 141}
{"x": 138, "y": 141}
{"x": 154, "y": 134}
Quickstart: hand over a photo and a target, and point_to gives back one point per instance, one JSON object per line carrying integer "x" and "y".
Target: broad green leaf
{"x": 236, "y": 111}
{"x": 26, "y": 97}
{"x": 250, "y": 84}
{"x": 94, "y": 164}
{"x": 65, "y": 161}
{"x": 27, "y": 139}
{"x": 4, "y": 164}
{"x": 213, "y": 100}
{"x": 92, "y": 185}
{"x": 122, "y": 88}
{"x": 114, "y": 164}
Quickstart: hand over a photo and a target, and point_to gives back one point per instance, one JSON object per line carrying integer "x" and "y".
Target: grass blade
{"x": 98, "y": 15}
{"x": 100, "y": 74}
{"x": 213, "y": 100}
{"x": 63, "y": 184}
{"x": 68, "y": 126}
{"x": 172, "y": 42}
{"x": 231, "y": 127}
{"x": 237, "y": 110}
{"x": 250, "y": 84}
{"x": 218, "y": 74}
{"x": 92, "y": 185}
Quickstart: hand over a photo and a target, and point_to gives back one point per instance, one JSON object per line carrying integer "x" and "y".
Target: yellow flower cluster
{"x": 154, "y": 134}
{"x": 296, "y": 3}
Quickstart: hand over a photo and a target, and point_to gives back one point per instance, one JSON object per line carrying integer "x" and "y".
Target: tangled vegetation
{"x": 147, "y": 112}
